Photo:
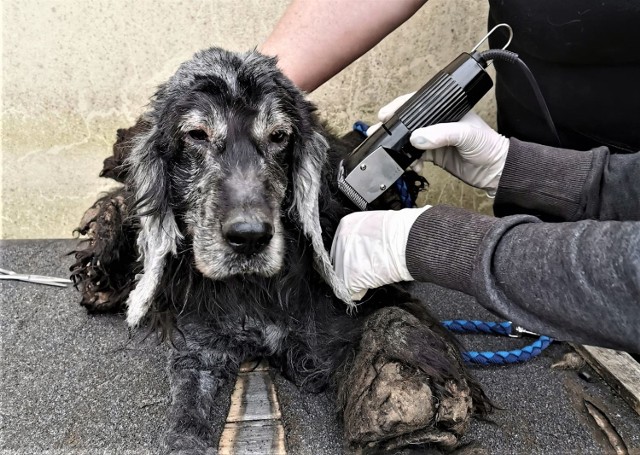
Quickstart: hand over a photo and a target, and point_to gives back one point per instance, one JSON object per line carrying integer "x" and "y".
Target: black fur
{"x": 291, "y": 316}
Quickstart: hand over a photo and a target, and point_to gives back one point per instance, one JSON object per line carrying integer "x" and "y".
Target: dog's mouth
{"x": 239, "y": 247}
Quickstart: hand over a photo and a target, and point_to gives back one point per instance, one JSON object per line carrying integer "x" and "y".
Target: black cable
{"x": 512, "y": 57}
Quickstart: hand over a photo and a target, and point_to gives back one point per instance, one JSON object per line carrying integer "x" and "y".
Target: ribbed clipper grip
{"x": 382, "y": 158}
{"x": 442, "y": 101}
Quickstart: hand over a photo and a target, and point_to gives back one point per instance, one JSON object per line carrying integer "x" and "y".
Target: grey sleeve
{"x": 569, "y": 185}
{"x": 575, "y": 281}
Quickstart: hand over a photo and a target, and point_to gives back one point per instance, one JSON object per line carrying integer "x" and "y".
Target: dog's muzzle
{"x": 247, "y": 237}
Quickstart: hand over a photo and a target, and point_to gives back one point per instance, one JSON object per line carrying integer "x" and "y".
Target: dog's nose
{"x": 247, "y": 237}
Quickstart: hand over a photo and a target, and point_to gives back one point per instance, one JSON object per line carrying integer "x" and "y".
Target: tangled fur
{"x": 219, "y": 237}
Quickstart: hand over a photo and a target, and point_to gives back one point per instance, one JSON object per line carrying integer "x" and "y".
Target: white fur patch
{"x": 156, "y": 239}
{"x": 155, "y": 242}
{"x": 307, "y": 191}
{"x": 213, "y": 124}
{"x": 270, "y": 118}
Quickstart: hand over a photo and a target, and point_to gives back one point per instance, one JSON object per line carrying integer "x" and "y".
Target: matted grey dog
{"x": 218, "y": 239}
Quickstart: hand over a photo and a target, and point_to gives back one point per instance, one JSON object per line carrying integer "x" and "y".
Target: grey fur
{"x": 307, "y": 184}
{"x": 214, "y": 258}
{"x": 157, "y": 237}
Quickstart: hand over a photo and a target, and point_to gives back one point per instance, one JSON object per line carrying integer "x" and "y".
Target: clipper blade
{"x": 352, "y": 194}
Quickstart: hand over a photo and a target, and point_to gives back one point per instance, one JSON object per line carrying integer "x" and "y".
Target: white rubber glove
{"x": 468, "y": 149}
{"x": 369, "y": 248}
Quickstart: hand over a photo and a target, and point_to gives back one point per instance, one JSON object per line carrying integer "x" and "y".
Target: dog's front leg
{"x": 196, "y": 377}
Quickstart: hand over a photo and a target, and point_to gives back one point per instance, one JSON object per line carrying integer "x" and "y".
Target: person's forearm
{"x": 573, "y": 281}
{"x": 315, "y": 40}
{"x": 569, "y": 185}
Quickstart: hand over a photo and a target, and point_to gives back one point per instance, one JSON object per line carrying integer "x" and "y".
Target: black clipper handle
{"x": 384, "y": 156}
{"x": 445, "y": 98}
{"x": 449, "y": 95}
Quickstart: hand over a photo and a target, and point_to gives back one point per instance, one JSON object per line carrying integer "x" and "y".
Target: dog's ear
{"x": 114, "y": 166}
{"x": 159, "y": 234}
{"x": 310, "y": 159}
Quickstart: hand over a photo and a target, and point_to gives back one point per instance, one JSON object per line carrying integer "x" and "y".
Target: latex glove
{"x": 369, "y": 248}
{"x": 469, "y": 149}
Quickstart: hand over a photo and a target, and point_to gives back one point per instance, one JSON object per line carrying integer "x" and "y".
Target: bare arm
{"x": 315, "y": 40}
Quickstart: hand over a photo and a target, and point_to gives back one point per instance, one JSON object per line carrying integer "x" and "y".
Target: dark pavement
{"x": 74, "y": 383}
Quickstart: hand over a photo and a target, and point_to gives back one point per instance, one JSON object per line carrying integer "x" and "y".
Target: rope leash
{"x": 505, "y": 328}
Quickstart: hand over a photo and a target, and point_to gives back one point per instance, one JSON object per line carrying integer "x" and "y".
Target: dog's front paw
{"x": 401, "y": 406}
{"x": 407, "y": 386}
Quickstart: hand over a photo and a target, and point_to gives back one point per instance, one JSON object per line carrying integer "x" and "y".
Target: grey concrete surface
{"x": 71, "y": 382}
{"x": 76, "y": 384}
{"x": 73, "y": 72}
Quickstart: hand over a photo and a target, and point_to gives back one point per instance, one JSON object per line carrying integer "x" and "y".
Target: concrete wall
{"x": 74, "y": 71}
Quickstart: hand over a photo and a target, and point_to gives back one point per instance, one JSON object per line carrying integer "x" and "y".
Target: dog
{"x": 218, "y": 239}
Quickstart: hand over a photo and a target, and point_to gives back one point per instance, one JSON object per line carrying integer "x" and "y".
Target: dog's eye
{"x": 198, "y": 135}
{"x": 278, "y": 137}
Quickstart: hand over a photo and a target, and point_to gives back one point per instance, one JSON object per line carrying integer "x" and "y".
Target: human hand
{"x": 468, "y": 149}
{"x": 368, "y": 250}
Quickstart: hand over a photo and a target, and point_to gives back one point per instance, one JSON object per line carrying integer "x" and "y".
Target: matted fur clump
{"x": 219, "y": 238}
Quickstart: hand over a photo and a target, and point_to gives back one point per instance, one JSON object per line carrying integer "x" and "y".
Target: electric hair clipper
{"x": 383, "y": 157}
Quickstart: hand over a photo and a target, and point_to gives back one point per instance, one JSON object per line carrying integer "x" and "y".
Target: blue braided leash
{"x": 505, "y": 328}
{"x": 361, "y": 128}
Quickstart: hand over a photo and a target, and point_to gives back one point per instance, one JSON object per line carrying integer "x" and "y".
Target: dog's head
{"x": 229, "y": 139}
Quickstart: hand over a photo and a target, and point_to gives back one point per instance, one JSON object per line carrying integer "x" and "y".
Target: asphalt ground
{"x": 73, "y": 383}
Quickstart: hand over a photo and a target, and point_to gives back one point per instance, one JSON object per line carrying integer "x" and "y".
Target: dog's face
{"x": 231, "y": 147}
{"x": 230, "y": 173}
{"x": 226, "y": 131}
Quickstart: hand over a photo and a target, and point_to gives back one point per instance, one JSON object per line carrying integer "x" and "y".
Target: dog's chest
{"x": 248, "y": 334}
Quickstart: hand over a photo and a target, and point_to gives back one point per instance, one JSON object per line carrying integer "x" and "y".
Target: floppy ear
{"x": 307, "y": 177}
{"x": 159, "y": 234}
